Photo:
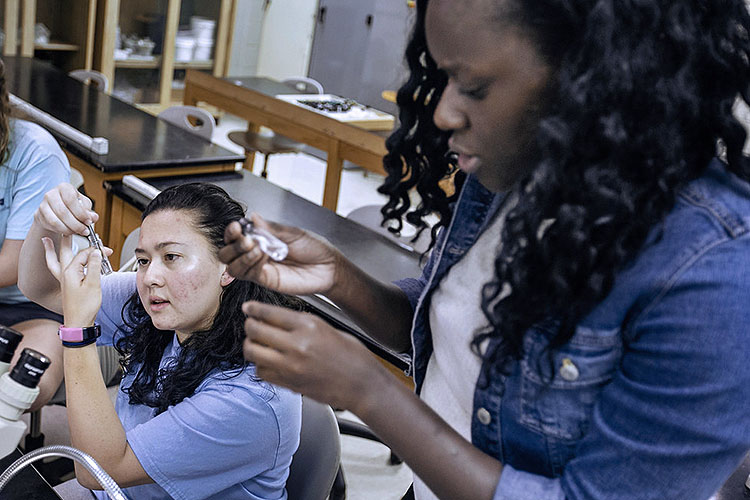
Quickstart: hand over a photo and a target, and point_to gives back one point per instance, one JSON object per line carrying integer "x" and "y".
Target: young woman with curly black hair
{"x": 191, "y": 419}
{"x": 580, "y": 329}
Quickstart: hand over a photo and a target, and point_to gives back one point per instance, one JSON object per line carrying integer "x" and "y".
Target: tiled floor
{"x": 367, "y": 473}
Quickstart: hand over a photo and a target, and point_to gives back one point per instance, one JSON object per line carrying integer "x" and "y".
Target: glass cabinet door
{"x": 138, "y": 50}
{"x": 147, "y": 45}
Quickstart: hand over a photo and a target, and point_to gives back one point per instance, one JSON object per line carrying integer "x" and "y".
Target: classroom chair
{"x": 317, "y": 460}
{"x": 305, "y": 84}
{"x": 737, "y": 486}
{"x": 91, "y": 77}
{"x": 76, "y": 178}
{"x": 128, "y": 261}
{"x": 192, "y": 118}
{"x": 270, "y": 143}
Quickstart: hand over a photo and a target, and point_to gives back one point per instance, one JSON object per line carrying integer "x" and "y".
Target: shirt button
{"x": 484, "y": 416}
{"x": 568, "y": 370}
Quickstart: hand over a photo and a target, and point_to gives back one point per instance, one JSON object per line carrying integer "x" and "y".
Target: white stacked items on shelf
{"x": 196, "y": 43}
{"x": 203, "y": 31}
{"x": 184, "y": 44}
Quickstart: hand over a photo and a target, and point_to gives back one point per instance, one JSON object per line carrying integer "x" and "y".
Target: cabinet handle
{"x": 322, "y": 15}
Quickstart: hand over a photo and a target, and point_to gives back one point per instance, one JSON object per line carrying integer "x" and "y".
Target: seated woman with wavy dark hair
{"x": 581, "y": 328}
{"x": 191, "y": 419}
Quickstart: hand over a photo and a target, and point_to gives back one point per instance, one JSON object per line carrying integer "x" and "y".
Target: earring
{"x": 226, "y": 278}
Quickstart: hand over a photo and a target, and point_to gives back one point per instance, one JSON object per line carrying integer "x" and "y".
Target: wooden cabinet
{"x": 157, "y": 78}
{"x": 71, "y": 24}
{"x": 10, "y": 26}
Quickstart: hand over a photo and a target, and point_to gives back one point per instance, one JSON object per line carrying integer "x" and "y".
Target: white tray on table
{"x": 359, "y": 115}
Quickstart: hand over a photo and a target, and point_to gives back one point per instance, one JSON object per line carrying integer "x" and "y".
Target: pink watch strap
{"x": 78, "y": 337}
{"x": 70, "y": 334}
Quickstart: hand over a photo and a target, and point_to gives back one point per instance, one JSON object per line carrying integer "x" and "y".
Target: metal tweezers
{"x": 96, "y": 241}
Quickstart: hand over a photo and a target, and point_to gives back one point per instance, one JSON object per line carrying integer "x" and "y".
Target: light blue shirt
{"x": 232, "y": 439}
{"x": 35, "y": 164}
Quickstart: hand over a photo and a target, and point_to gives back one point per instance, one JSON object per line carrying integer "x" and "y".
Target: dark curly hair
{"x": 642, "y": 98}
{"x": 216, "y": 349}
{"x": 418, "y": 156}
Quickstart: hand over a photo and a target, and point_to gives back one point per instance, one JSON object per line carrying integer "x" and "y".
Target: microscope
{"x": 18, "y": 390}
{"x": 18, "y": 387}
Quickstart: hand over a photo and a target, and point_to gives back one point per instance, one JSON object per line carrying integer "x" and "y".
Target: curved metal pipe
{"x": 104, "y": 479}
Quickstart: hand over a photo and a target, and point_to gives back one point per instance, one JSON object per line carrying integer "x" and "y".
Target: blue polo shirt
{"x": 233, "y": 439}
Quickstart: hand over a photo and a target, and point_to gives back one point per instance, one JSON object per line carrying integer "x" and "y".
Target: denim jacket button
{"x": 568, "y": 370}
{"x": 484, "y": 416}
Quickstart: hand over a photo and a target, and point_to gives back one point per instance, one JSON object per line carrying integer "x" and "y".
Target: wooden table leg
{"x": 125, "y": 218}
{"x": 334, "y": 168}
{"x": 250, "y": 159}
{"x": 115, "y": 230}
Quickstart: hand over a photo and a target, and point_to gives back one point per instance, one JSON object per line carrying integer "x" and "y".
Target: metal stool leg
{"x": 338, "y": 490}
{"x": 264, "y": 173}
{"x": 35, "y": 437}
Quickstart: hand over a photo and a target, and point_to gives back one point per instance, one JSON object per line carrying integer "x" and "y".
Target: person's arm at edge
{"x": 9, "y": 253}
{"x": 44, "y": 167}
{"x": 61, "y": 212}
{"x": 313, "y": 265}
{"x": 450, "y": 465}
{"x": 94, "y": 425}
{"x": 382, "y": 309}
{"x": 305, "y": 354}
{"x": 371, "y": 303}
{"x": 34, "y": 279}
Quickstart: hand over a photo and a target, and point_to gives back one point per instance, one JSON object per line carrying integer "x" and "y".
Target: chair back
{"x": 196, "y": 120}
{"x": 76, "y": 178}
{"x": 91, "y": 77}
{"x": 737, "y": 486}
{"x": 305, "y": 84}
{"x": 317, "y": 460}
{"x": 127, "y": 255}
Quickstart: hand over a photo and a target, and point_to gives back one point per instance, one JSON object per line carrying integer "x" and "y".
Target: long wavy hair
{"x": 642, "y": 94}
{"x": 217, "y": 349}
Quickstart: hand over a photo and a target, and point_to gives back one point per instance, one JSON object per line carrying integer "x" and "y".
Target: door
{"x": 338, "y": 52}
{"x": 385, "y": 67}
{"x": 286, "y": 39}
{"x": 358, "y": 49}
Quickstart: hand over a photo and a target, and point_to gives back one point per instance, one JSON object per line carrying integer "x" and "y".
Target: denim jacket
{"x": 651, "y": 396}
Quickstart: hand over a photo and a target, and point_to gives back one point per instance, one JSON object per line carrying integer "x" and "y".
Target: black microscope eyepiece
{"x": 9, "y": 340}
{"x": 29, "y": 368}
